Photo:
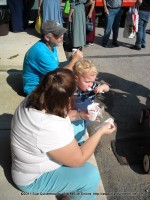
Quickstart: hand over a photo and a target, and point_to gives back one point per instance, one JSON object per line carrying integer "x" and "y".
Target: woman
{"x": 51, "y": 10}
{"x": 78, "y": 19}
{"x": 43, "y": 144}
{"x": 90, "y": 13}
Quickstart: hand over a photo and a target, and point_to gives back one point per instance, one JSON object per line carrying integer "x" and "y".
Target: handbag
{"x": 66, "y": 9}
{"x": 89, "y": 24}
{"x": 38, "y": 24}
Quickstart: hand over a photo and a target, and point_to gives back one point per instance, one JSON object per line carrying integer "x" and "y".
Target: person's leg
{"x": 141, "y": 34}
{"x": 116, "y": 24}
{"x": 147, "y": 16}
{"x": 76, "y": 182}
{"x": 17, "y": 15}
{"x": 109, "y": 20}
{"x": 143, "y": 42}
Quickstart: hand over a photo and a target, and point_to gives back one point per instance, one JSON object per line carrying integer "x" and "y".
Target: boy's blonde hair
{"x": 84, "y": 66}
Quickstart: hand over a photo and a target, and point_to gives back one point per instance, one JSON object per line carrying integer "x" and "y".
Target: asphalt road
{"x": 128, "y": 74}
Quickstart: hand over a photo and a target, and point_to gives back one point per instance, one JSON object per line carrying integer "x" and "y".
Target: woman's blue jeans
{"x": 141, "y": 34}
{"x": 112, "y": 22}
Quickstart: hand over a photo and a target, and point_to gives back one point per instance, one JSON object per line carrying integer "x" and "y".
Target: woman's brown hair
{"x": 54, "y": 93}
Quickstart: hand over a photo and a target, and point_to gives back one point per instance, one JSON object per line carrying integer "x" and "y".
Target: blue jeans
{"x": 112, "y": 22}
{"x": 141, "y": 34}
{"x": 82, "y": 181}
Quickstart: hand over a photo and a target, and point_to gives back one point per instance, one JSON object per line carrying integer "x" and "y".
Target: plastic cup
{"x": 93, "y": 113}
{"x": 73, "y": 50}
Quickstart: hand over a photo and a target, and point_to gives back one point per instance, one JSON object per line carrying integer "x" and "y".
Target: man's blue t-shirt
{"x": 38, "y": 60}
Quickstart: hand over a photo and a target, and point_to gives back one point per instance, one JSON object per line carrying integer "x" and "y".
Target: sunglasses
{"x": 57, "y": 36}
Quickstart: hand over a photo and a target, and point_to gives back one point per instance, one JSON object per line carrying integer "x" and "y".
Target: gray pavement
{"x": 12, "y": 50}
{"x": 128, "y": 74}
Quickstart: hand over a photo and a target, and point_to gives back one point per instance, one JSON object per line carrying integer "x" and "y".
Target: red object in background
{"x": 126, "y": 3}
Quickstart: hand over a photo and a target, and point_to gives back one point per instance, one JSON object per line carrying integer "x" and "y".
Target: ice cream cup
{"x": 92, "y": 112}
{"x": 73, "y": 50}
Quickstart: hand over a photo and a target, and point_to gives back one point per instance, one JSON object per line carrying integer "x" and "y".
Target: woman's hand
{"x": 70, "y": 18}
{"x": 90, "y": 15}
{"x": 108, "y": 129}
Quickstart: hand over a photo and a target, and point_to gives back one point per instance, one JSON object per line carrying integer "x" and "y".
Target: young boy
{"x": 85, "y": 72}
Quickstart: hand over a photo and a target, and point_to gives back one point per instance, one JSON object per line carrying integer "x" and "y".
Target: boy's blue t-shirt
{"x": 38, "y": 60}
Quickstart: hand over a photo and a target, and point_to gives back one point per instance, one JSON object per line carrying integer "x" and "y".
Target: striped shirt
{"x": 84, "y": 95}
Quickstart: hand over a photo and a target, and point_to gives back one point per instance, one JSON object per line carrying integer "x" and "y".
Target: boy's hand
{"x": 101, "y": 88}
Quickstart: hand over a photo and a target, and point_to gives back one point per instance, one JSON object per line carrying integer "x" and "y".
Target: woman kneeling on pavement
{"x": 46, "y": 159}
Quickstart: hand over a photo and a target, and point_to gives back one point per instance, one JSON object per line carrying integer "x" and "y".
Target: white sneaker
{"x": 89, "y": 44}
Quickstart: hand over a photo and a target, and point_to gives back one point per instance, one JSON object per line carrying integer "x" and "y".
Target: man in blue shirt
{"x": 42, "y": 57}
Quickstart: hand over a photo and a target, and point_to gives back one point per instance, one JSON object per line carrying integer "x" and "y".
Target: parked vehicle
{"x": 126, "y": 3}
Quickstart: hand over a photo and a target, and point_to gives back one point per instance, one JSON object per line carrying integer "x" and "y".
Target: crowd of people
{"x": 80, "y": 11}
{"x": 49, "y": 151}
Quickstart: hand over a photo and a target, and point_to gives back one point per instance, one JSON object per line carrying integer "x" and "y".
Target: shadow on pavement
{"x": 98, "y": 40}
{"x": 15, "y": 81}
{"x": 132, "y": 140}
{"x": 5, "y": 152}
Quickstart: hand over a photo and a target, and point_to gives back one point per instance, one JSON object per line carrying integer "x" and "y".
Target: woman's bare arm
{"x": 74, "y": 155}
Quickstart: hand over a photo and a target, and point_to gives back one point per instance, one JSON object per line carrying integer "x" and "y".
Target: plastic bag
{"x": 38, "y": 24}
{"x": 131, "y": 23}
{"x": 67, "y": 7}
{"x": 128, "y": 31}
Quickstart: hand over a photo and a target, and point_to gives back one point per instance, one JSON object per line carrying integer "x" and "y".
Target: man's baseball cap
{"x": 51, "y": 26}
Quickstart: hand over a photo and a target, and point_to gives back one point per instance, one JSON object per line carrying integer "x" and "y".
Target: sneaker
{"x": 134, "y": 47}
{"x": 115, "y": 44}
{"x": 89, "y": 44}
{"x": 143, "y": 46}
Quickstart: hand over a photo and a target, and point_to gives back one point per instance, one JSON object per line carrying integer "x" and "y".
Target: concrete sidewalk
{"x": 12, "y": 50}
